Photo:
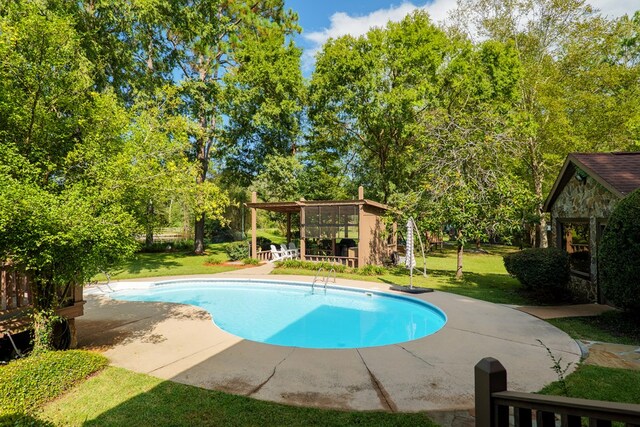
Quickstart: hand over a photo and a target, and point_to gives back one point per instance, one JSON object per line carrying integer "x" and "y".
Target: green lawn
{"x": 599, "y": 383}
{"x": 613, "y": 326}
{"x": 177, "y": 263}
{"x": 118, "y": 397}
{"x": 485, "y": 277}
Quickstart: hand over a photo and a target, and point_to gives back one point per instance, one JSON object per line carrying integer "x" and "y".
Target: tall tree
{"x": 540, "y": 30}
{"x": 204, "y": 39}
{"x": 263, "y": 103}
{"x": 468, "y": 182}
{"x": 74, "y": 163}
{"x": 368, "y": 96}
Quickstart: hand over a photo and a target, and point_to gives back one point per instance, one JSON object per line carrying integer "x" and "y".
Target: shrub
{"x": 371, "y": 270}
{"x": 27, "y": 383}
{"x": 313, "y": 266}
{"x": 237, "y": 250}
{"x": 543, "y": 270}
{"x": 250, "y": 261}
{"x": 619, "y": 254}
{"x": 157, "y": 247}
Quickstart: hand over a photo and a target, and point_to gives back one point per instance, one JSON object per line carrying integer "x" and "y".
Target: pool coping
{"x": 434, "y": 373}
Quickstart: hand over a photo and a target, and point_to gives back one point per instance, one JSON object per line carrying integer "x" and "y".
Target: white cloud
{"x": 342, "y": 24}
{"x": 615, "y": 8}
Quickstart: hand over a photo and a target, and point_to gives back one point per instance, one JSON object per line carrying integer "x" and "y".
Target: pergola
{"x": 352, "y": 232}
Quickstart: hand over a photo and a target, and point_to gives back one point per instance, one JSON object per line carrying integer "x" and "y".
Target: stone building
{"x": 582, "y": 198}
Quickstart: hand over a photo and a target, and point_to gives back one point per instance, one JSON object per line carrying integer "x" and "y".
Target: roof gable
{"x": 617, "y": 172}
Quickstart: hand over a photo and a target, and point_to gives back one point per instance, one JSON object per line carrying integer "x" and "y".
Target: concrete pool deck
{"x": 180, "y": 343}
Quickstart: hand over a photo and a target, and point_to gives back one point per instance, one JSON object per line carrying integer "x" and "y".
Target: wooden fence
{"x": 497, "y": 407}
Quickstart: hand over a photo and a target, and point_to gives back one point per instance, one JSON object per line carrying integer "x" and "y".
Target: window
{"x": 575, "y": 240}
{"x": 331, "y": 222}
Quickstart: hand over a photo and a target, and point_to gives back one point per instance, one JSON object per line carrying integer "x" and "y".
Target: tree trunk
{"x": 202, "y": 146}
{"x": 542, "y": 227}
{"x": 459, "y": 257}
{"x": 149, "y": 228}
{"x": 199, "y": 237}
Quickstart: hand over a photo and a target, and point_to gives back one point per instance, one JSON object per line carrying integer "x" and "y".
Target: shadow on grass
{"x": 491, "y": 287}
{"x": 173, "y": 404}
{"x": 150, "y": 261}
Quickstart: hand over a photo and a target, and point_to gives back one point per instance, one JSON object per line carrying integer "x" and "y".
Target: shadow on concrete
{"x": 104, "y": 331}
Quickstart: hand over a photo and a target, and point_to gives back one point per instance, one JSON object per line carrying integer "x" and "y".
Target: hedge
{"x": 619, "y": 254}
{"x": 542, "y": 270}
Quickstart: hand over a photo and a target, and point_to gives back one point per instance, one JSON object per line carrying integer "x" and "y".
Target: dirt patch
{"x": 613, "y": 355}
{"x": 316, "y": 400}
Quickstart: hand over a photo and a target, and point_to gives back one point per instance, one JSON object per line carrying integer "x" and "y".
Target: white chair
{"x": 277, "y": 255}
{"x": 285, "y": 250}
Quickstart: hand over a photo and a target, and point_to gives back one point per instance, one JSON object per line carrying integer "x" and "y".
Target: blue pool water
{"x": 291, "y": 314}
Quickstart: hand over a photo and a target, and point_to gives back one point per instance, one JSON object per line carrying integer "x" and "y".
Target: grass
{"x": 600, "y": 383}
{"x": 118, "y": 397}
{"x": 171, "y": 264}
{"x": 613, "y": 326}
{"x": 485, "y": 277}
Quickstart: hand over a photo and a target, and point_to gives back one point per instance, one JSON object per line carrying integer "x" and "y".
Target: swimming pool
{"x": 292, "y": 314}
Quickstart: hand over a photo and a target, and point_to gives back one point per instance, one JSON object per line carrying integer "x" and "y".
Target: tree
{"x": 540, "y": 31}
{"x": 468, "y": 183}
{"x": 204, "y": 39}
{"x": 264, "y": 98}
{"x": 74, "y": 163}
{"x": 368, "y": 96}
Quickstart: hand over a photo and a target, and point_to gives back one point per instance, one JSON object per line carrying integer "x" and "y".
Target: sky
{"x": 322, "y": 19}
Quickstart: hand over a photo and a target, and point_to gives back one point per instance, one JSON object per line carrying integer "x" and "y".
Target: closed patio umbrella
{"x": 410, "y": 259}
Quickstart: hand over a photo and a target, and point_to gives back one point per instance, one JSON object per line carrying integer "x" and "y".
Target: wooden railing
{"x": 493, "y": 403}
{"x": 15, "y": 291}
{"x": 16, "y": 300}
{"x": 264, "y": 255}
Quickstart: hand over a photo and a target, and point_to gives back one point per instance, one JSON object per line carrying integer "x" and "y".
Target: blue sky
{"x": 321, "y": 19}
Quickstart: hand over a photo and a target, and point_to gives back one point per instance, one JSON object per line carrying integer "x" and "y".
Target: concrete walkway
{"x": 560, "y": 311}
{"x": 435, "y": 373}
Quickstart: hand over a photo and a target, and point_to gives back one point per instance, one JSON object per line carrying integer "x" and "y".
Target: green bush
{"x": 250, "y": 261}
{"x": 619, "y": 254}
{"x": 371, "y": 270}
{"x": 27, "y": 383}
{"x": 313, "y": 266}
{"x": 237, "y": 250}
{"x": 544, "y": 271}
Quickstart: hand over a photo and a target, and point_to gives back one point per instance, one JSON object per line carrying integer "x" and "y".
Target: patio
{"x": 435, "y": 373}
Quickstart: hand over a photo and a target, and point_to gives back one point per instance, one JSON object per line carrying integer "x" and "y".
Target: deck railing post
{"x": 490, "y": 377}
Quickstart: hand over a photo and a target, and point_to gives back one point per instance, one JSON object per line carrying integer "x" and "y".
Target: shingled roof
{"x": 618, "y": 172}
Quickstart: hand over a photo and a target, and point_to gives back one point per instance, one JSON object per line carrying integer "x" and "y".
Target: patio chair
{"x": 286, "y": 251}
{"x": 277, "y": 255}
{"x": 295, "y": 252}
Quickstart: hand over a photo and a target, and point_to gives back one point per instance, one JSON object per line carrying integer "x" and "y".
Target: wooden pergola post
{"x": 254, "y": 227}
{"x": 288, "y": 227}
{"x": 363, "y": 237}
{"x": 303, "y": 240}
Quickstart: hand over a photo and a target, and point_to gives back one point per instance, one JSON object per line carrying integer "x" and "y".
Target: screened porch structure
{"x": 350, "y": 232}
